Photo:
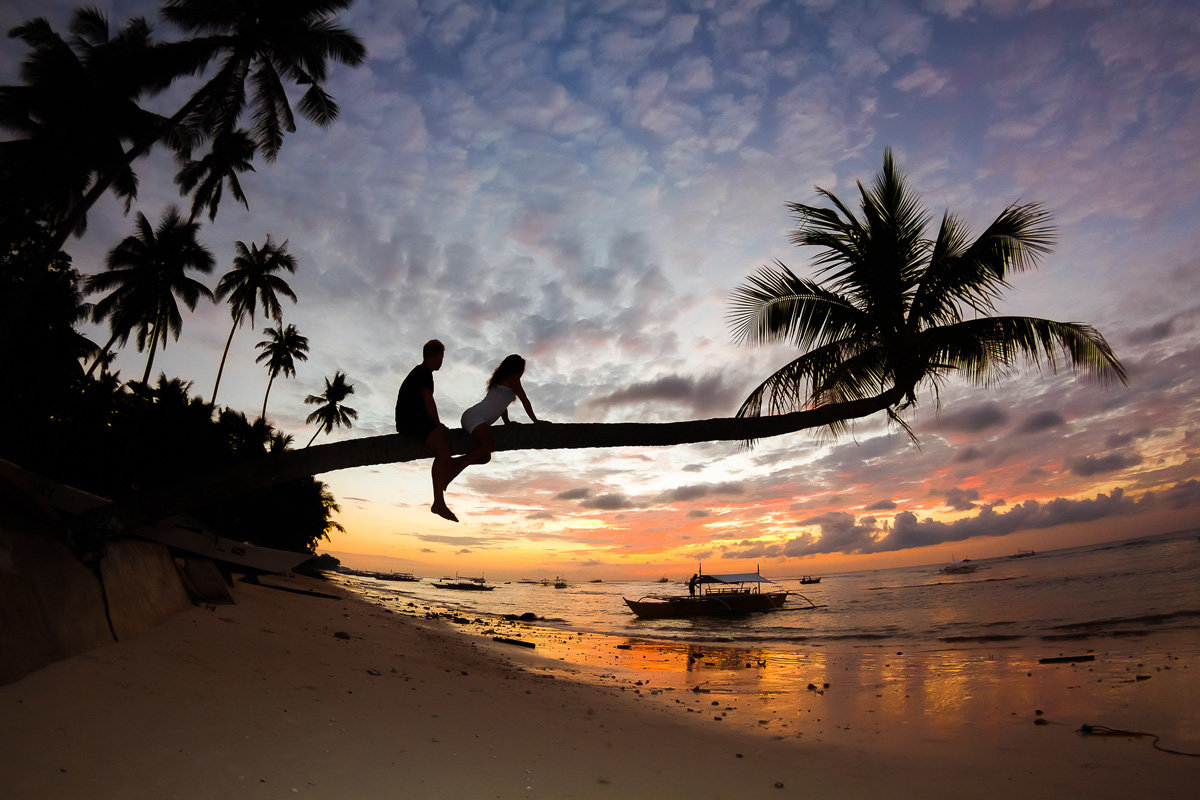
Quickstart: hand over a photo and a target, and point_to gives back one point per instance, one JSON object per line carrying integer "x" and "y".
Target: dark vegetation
{"x": 76, "y": 126}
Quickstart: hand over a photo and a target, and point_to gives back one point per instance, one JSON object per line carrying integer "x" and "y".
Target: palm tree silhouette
{"x": 897, "y": 310}
{"x": 331, "y": 412}
{"x": 282, "y": 348}
{"x": 253, "y": 281}
{"x": 146, "y": 273}
{"x": 230, "y": 155}
{"x": 890, "y": 317}
{"x": 260, "y": 41}
{"x": 78, "y": 104}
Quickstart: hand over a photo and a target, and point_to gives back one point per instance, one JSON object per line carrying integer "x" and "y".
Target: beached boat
{"x": 809, "y": 579}
{"x": 714, "y": 594}
{"x": 464, "y": 584}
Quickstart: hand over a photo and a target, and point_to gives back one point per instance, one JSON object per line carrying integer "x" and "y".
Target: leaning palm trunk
{"x": 270, "y": 381}
{"x": 221, "y": 368}
{"x": 150, "y": 358}
{"x": 101, "y": 355}
{"x": 286, "y": 466}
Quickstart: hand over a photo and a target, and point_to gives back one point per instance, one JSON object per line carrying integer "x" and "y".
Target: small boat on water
{"x": 807, "y": 579}
{"x": 397, "y": 576}
{"x": 560, "y": 582}
{"x": 464, "y": 584}
{"x": 714, "y": 594}
{"x": 958, "y": 567}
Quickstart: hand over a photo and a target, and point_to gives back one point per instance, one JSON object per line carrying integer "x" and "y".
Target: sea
{"x": 1143, "y": 587}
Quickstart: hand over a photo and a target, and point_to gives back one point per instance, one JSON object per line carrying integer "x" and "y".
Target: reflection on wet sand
{"x": 929, "y": 695}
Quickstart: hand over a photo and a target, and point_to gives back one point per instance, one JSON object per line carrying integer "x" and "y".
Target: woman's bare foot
{"x": 443, "y": 511}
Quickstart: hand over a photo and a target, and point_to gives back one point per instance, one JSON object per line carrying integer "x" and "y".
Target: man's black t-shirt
{"x": 412, "y": 418}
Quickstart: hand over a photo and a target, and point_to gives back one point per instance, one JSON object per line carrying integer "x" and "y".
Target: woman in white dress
{"x": 502, "y": 388}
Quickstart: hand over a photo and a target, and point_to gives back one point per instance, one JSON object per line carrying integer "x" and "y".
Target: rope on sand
{"x": 1103, "y": 730}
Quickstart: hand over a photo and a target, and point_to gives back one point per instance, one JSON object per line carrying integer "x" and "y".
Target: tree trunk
{"x": 265, "y": 396}
{"x": 279, "y": 468}
{"x": 99, "y": 358}
{"x": 150, "y": 358}
{"x": 224, "y": 355}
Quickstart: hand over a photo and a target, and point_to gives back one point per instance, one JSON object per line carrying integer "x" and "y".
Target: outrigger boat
{"x": 464, "y": 584}
{"x": 714, "y": 594}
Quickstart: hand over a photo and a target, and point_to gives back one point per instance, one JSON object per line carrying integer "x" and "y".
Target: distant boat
{"x": 1023, "y": 553}
{"x": 715, "y": 594}
{"x": 397, "y": 576}
{"x": 958, "y": 567}
{"x": 663, "y": 579}
{"x": 464, "y": 584}
{"x": 560, "y": 582}
{"x": 810, "y": 579}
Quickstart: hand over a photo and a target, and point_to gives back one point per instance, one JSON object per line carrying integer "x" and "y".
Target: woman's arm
{"x": 520, "y": 392}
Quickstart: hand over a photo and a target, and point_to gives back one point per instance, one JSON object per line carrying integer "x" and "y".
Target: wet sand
{"x": 288, "y": 694}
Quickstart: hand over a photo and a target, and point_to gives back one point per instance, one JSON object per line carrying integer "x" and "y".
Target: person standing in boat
{"x": 502, "y": 388}
{"x": 692, "y": 582}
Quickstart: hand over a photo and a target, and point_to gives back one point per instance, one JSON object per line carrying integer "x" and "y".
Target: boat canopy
{"x": 736, "y": 577}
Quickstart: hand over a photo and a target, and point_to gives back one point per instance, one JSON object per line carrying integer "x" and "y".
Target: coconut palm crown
{"x": 894, "y": 310}
{"x": 282, "y": 348}
{"x": 331, "y": 412}
{"x": 146, "y": 274}
{"x": 253, "y": 282}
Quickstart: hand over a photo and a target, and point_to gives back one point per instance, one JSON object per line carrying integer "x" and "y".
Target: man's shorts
{"x": 417, "y": 428}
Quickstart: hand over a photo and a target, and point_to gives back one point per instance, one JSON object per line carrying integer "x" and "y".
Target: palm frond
{"x": 981, "y": 349}
{"x": 775, "y": 304}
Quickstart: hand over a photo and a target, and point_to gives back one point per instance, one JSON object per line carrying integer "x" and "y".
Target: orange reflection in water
{"x": 902, "y": 699}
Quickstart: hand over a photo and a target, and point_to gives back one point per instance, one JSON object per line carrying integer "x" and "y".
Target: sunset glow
{"x": 586, "y": 183}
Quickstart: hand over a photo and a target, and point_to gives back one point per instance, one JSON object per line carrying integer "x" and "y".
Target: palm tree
{"x": 896, "y": 310}
{"x": 281, "y": 349}
{"x": 331, "y": 412}
{"x": 76, "y": 108}
{"x": 146, "y": 273}
{"x": 264, "y": 42}
{"x": 230, "y": 154}
{"x": 252, "y": 281}
{"x": 889, "y": 318}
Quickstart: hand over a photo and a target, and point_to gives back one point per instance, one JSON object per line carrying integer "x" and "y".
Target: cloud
{"x": 962, "y": 499}
{"x": 1087, "y": 466}
{"x": 972, "y": 419}
{"x": 705, "y": 395}
{"x": 1041, "y": 421}
{"x": 611, "y": 501}
{"x": 841, "y": 533}
{"x": 924, "y": 80}
{"x": 696, "y": 491}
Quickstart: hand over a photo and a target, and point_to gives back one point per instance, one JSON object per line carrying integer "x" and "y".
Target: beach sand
{"x": 286, "y": 694}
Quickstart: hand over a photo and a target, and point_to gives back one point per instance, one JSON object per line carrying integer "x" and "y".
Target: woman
{"x": 502, "y": 388}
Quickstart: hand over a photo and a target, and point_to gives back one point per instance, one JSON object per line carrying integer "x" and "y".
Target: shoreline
{"x": 935, "y": 691}
{"x": 283, "y": 694}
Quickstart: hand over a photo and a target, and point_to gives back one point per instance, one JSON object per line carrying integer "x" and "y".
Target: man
{"x": 417, "y": 418}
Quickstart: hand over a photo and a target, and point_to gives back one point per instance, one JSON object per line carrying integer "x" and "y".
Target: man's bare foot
{"x": 443, "y": 511}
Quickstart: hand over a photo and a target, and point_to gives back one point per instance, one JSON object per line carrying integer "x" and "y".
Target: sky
{"x": 586, "y": 183}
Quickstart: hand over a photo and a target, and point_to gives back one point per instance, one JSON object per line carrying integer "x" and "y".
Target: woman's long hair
{"x": 511, "y": 365}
